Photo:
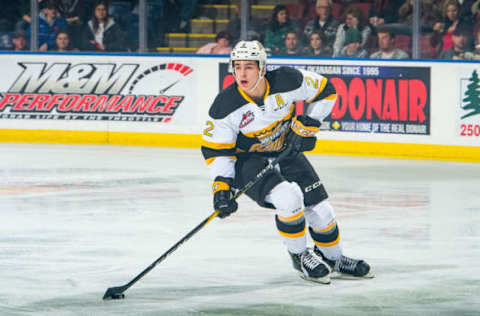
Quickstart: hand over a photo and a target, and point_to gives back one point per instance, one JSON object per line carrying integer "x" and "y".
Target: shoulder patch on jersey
{"x": 226, "y": 102}
{"x": 284, "y": 79}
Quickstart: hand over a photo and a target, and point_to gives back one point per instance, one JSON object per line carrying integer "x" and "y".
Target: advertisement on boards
{"x": 371, "y": 99}
{"x": 97, "y": 90}
{"x": 468, "y": 108}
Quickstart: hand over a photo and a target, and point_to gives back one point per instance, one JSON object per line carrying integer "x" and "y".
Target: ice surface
{"x": 76, "y": 220}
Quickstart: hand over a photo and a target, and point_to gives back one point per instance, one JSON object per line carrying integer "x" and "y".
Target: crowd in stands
{"x": 221, "y": 46}
{"x": 65, "y": 25}
{"x": 380, "y": 29}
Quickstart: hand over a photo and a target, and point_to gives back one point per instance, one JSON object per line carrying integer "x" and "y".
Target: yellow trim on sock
{"x": 328, "y": 244}
{"x": 291, "y": 218}
{"x": 326, "y": 229}
{"x": 294, "y": 235}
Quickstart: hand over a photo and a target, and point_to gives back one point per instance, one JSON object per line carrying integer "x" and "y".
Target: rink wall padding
{"x": 101, "y": 138}
{"x": 399, "y": 150}
{"x": 406, "y": 109}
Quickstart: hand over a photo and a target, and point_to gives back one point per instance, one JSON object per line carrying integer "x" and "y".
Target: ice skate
{"x": 347, "y": 268}
{"x": 310, "y": 267}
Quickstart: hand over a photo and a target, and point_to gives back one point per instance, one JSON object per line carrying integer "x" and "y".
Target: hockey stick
{"x": 116, "y": 292}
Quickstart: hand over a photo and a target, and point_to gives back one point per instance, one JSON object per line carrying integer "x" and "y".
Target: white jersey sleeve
{"x": 319, "y": 94}
{"x": 218, "y": 147}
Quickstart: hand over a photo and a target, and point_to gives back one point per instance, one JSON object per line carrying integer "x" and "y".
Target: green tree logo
{"x": 472, "y": 96}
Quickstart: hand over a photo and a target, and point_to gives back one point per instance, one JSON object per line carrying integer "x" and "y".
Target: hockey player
{"x": 251, "y": 122}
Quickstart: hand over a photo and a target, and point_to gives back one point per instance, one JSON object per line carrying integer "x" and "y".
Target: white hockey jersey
{"x": 237, "y": 124}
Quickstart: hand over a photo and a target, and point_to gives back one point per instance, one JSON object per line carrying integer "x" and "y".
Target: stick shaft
{"x": 258, "y": 177}
{"x": 172, "y": 249}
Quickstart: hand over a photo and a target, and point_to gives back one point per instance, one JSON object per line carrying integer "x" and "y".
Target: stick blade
{"x": 114, "y": 293}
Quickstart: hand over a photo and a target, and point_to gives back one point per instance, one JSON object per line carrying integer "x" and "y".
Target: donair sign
{"x": 101, "y": 91}
{"x": 372, "y": 98}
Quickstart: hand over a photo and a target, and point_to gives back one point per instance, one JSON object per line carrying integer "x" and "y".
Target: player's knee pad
{"x": 320, "y": 215}
{"x": 287, "y": 198}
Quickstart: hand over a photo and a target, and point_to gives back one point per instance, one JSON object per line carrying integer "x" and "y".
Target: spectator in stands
{"x": 222, "y": 45}
{"x": 443, "y": 30}
{"x": 386, "y": 43}
{"x": 278, "y": 27}
{"x": 317, "y": 45}
{"x": 475, "y": 55}
{"x": 430, "y": 13}
{"x": 129, "y": 21}
{"x": 177, "y": 14}
{"x": 77, "y": 13}
{"x": 24, "y": 7}
{"x": 324, "y": 22}
{"x": 292, "y": 46}
{"x": 352, "y": 49}
{"x": 345, "y": 2}
{"x": 475, "y": 9}
{"x": 353, "y": 19}
{"x": 12, "y": 11}
{"x": 62, "y": 42}
{"x": 49, "y": 23}
{"x": 102, "y": 33}
{"x": 19, "y": 41}
{"x": 458, "y": 50}
{"x": 256, "y": 26}
{"x": 383, "y": 11}
{"x": 466, "y": 9}
{"x": 187, "y": 8}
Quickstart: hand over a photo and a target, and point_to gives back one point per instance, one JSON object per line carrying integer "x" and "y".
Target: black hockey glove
{"x": 222, "y": 197}
{"x": 302, "y": 134}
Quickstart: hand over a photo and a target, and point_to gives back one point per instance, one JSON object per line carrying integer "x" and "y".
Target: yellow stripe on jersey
{"x": 291, "y": 218}
{"x": 217, "y": 145}
{"x": 320, "y": 89}
{"x": 271, "y": 126}
{"x": 302, "y": 130}
{"x": 267, "y": 93}
{"x": 244, "y": 95}
{"x": 210, "y": 160}
{"x": 328, "y": 244}
{"x": 247, "y": 97}
{"x": 293, "y": 235}
{"x": 331, "y": 96}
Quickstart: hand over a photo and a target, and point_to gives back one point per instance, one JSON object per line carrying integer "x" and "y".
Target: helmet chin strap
{"x": 260, "y": 77}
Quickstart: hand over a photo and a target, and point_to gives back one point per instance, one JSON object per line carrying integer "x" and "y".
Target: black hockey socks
{"x": 327, "y": 237}
{"x": 291, "y": 227}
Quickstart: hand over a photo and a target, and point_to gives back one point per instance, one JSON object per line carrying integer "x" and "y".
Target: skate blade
{"x": 323, "y": 280}
{"x": 343, "y": 276}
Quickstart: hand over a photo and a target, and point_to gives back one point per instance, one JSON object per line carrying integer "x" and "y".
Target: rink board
{"x": 408, "y": 109}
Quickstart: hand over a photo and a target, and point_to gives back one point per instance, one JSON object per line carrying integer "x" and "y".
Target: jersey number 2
{"x": 207, "y": 130}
